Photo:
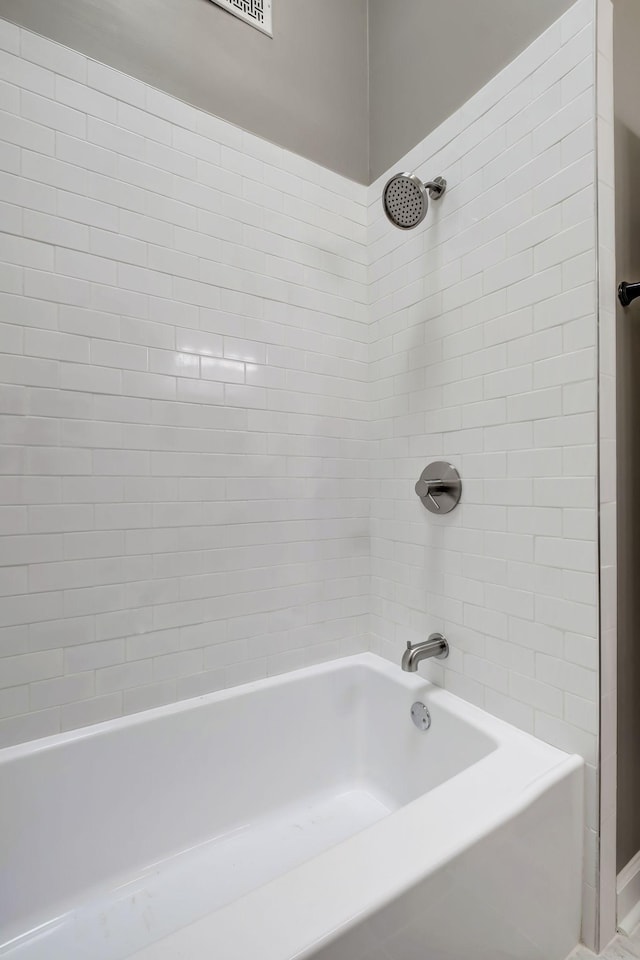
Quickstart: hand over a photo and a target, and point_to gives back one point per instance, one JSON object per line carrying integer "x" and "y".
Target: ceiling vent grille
{"x": 255, "y": 12}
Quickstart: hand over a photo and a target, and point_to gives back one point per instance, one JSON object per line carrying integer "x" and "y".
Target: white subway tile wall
{"x": 222, "y": 371}
{"x": 219, "y": 359}
{"x": 484, "y": 338}
{"x": 184, "y": 472}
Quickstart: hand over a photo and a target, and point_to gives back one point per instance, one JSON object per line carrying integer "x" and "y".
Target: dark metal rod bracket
{"x": 628, "y": 292}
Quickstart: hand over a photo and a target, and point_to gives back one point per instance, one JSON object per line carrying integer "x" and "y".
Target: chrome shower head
{"x": 405, "y": 198}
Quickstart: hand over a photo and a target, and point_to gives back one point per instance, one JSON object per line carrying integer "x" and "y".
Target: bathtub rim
{"x": 493, "y": 727}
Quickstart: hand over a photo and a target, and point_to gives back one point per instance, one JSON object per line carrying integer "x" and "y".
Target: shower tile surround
{"x": 223, "y": 371}
{"x": 484, "y": 353}
{"x": 185, "y": 399}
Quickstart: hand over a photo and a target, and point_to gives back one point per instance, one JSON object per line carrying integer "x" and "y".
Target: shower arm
{"x": 436, "y": 187}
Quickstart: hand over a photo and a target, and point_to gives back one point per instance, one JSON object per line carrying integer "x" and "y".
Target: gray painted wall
{"x": 427, "y": 57}
{"x": 627, "y": 85}
{"x": 305, "y": 89}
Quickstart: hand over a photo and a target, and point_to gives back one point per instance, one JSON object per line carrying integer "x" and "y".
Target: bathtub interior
{"x": 216, "y": 797}
{"x": 399, "y": 762}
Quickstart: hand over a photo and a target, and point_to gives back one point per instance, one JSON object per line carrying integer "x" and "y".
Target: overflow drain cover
{"x": 420, "y": 716}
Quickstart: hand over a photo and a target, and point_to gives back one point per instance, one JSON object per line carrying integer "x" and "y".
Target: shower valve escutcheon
{"x": 439, "y": 487}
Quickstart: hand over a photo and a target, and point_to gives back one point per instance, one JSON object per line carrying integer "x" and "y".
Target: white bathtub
{"x": 301, "y": 816}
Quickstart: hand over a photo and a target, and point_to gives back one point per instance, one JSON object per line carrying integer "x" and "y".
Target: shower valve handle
{"x": 439, "y": 487}
{"x": 427, "y": 488}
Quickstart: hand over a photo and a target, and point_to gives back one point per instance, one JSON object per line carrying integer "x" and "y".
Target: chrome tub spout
{"x": 436, "y": 646}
